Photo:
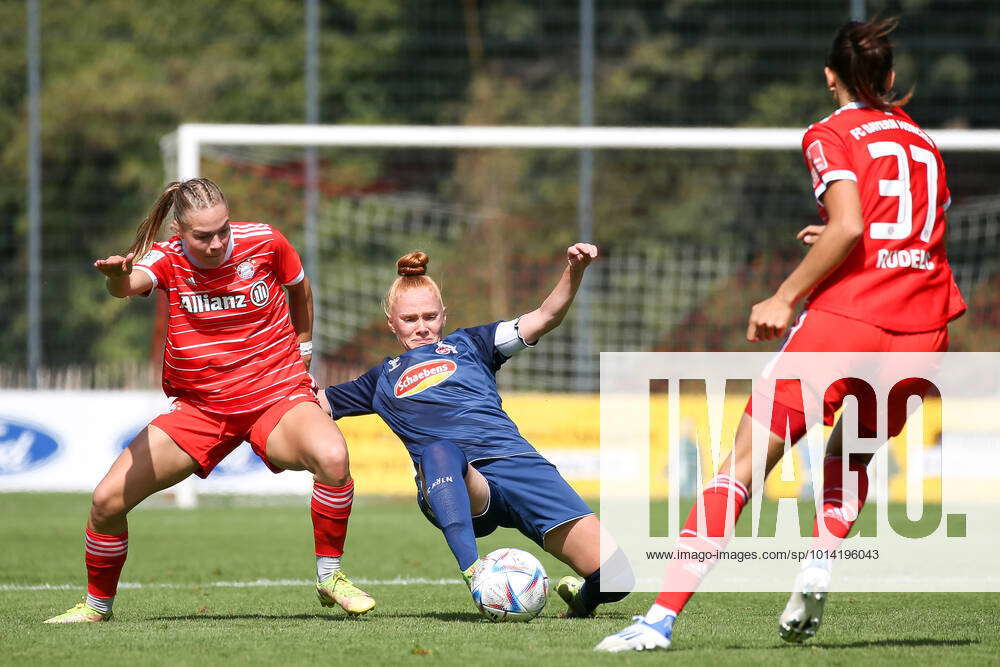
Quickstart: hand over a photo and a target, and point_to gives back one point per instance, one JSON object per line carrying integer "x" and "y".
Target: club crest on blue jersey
{"x": 421, "y": 377}
{"x": 446, "y": 348}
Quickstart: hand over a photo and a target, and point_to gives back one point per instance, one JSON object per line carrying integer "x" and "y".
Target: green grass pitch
{"x": 181, "y": 615}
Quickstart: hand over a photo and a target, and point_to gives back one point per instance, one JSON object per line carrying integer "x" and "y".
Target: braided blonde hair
{"x": 182, "y": 197}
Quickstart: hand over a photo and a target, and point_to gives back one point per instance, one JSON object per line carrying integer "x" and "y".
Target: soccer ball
{"x": 510, "y": 585}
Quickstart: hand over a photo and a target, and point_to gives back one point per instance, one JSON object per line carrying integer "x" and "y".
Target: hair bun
{"x": 412, "y": 264}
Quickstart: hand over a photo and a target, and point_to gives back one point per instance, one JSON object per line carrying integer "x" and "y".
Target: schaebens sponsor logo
{"x": 24, "y": 446}
{"x": 423, "y": 376}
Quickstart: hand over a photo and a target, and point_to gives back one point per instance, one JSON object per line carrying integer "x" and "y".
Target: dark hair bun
{"x": 412, "y": 264}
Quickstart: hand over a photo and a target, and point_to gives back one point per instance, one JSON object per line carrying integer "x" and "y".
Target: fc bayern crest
{"x": 246, "y": 269}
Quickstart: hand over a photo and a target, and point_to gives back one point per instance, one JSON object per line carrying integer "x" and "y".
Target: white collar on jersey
{"x": 229, "y": 253}
{"x": 851, "y": 105}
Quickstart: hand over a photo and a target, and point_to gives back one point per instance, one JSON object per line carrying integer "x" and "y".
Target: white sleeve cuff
{"x": 507, "y": 338}
{"x": 831, "y": 176}
{"x": 297, "y": 279}
{"x": 148, "y": 272}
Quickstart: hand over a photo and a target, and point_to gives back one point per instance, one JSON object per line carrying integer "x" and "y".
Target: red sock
{"x": 842, "y": 501}
{"x": 105, "y": 558}
{"x": 331, "y": 507}
{"x": 683, "y": 575}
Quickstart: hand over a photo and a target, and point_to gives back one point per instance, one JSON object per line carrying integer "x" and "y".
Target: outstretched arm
{"x": 122, "y": 281}
{"x": 550, "y": 314}
{"x": 350, "y": 399}
{"x": 771, "y": 317}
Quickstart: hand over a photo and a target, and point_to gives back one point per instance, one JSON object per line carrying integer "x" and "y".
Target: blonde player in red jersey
{"x": 877, "y": 278}
{"x": 237, "y": 350}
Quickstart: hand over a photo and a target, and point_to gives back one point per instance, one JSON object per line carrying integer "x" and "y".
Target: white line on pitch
{"x": 258, "y": 583}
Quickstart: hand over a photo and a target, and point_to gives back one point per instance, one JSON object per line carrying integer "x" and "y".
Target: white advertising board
{"x": 67, "y": 440}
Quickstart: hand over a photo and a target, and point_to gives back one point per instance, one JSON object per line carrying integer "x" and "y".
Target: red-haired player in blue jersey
{"x": 474, "y": 470}
{"x": 878, "y": 280}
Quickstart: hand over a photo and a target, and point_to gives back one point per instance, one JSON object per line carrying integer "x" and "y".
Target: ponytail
{"x": 193, "y": 194}
{"x": 149, "y": 230}
{"x": 861, "y": 56}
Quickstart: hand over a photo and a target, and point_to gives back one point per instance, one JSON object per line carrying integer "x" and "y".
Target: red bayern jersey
{"x": 230, "y": 346}
{"x": 897, "y": 277}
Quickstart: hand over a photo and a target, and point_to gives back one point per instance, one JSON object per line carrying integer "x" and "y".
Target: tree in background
{"x": 117, "y": 75}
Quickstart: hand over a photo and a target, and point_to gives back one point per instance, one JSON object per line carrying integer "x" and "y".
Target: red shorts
{"x": 209, "y": 437}
{"x": 820, "y": 331}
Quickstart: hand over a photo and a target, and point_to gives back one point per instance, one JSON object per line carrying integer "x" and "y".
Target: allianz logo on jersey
{"x": 23, "y": 447}
{"x": 423, "y": 376}
{"x": 258, "y": 295}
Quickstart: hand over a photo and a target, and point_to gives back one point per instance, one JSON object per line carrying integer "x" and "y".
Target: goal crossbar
{"x": 183, "y": 149}
{"x": 190, "y": 137}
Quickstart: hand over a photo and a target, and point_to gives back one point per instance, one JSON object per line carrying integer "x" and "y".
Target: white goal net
{"x": 694, "y": 225}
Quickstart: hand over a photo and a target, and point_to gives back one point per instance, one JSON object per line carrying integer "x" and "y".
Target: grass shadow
{"x": 471, "y": 616}
{"x": 885, "y": 643}
{"x": 448, "y": 617}
{"x": 233, "y": 617}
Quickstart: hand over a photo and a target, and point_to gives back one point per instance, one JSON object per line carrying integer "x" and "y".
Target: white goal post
{"x": 189, "y": 138}
{"x": 184, "y": 150}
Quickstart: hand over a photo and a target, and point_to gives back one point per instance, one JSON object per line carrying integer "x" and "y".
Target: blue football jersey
{"x": 440, "y": 391}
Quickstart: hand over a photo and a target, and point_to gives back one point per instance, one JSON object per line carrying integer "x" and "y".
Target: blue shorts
{"x": 526, "y": 492}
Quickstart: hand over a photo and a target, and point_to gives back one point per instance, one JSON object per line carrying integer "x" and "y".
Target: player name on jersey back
{"x": 871, "y": 127}
{"x": 909, "y": 258}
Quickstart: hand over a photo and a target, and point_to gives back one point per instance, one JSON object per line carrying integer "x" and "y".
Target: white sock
{"x": 823, "y": 563}
{"x": 326, "y": 566}
{"x": 657, "y": 613}
{"x": 102, "y": 605}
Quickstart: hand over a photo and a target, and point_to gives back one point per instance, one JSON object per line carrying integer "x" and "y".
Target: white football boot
{"x": 640, "y": 636}
{"x": 804, "y": 612}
